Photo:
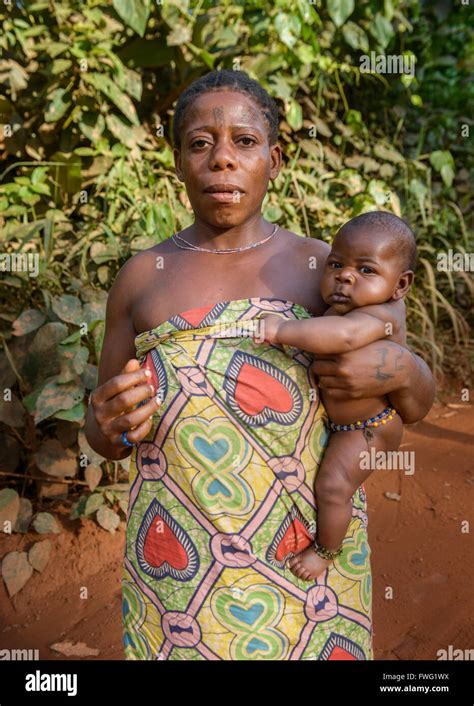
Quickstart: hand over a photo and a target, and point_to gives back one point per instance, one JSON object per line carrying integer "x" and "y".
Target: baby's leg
{"x": 338, "y": 477}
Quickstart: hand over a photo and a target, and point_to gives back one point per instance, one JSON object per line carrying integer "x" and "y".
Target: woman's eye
{"x": 195, "y": 144}
{"x": 247, "y": 138}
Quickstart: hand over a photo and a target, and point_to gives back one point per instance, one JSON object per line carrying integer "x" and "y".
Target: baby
{"x": 367, "y": 274}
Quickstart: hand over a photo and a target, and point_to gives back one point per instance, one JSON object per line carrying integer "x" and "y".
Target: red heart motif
{"x": 196, "y": 315}
{"x": 148, "y": 365}
{"x": 256, "y": 389}
{"x": 161, "y": 545}
{"x": 340, "y": 653}
{"x": 295, "y": 539}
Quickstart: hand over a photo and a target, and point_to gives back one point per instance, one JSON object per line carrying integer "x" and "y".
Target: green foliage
{"x": 87, "y": 176}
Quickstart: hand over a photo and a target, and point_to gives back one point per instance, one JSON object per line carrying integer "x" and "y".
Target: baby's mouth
{"x": 340, "y": 298}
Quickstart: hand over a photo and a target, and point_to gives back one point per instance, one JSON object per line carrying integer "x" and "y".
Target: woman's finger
{"x": 137, "y": 434}
{"x": 327, "y": 382}
{"x": 125, "y": 401}
{"x": 119, "y": 383}
{"x": 324, "y": 367}
{"x": 136, "y": 417}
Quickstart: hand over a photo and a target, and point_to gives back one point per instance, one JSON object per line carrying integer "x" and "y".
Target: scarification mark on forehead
{"x": 219, "y": 120}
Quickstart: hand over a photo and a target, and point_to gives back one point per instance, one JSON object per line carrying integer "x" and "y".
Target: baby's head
{"x": 372, "y": 261}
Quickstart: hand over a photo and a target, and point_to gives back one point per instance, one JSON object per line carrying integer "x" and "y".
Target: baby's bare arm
{"x": 336, "y": 334}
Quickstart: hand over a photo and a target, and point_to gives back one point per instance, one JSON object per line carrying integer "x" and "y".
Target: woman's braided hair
{"x": 227, "y": 80}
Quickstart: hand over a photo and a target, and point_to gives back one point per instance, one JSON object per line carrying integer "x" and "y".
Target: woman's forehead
{"x": 218, "y": 107}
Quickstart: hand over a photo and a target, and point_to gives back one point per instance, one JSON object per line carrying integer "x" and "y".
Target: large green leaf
{"x": 105, "y": 85}
{"x": 382, "y": 30}
{"x": 340, "y": 10}
{"x": 134, "y": 13}
{"x": 54, "y": 397}
{"x": 57, "y": 106}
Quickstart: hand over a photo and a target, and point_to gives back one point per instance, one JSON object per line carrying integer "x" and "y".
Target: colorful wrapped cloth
{"x": 221, "y": 496}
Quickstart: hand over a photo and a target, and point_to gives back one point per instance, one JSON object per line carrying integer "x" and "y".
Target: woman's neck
{"x": 212, "y": 237}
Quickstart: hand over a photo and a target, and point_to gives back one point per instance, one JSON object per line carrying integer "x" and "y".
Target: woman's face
{"x": 224, "y": 145}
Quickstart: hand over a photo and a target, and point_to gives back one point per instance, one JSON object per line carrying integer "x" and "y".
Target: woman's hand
{"x": 113, "y": 405}
{"x": 381, "y": 368}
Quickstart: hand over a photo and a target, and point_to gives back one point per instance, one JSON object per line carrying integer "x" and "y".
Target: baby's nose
{"x": 345, "y": 275}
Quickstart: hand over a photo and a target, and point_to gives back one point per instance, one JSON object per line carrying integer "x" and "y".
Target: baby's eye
{"x": 366, "y": 270}
{"x": 335, "y": 265}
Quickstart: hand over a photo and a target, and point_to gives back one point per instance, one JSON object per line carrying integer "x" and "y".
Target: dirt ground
{"x": 418, "y": 550}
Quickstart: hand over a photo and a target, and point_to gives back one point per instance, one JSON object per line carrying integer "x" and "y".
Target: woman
{"x": 223, "y": 470}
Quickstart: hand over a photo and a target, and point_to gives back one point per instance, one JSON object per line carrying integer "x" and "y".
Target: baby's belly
{"x": 349, "y": 411}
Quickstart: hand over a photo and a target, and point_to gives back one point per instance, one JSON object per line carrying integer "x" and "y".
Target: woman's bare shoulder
{"x": 136, "y": 273}
{"x": 305, "y": 244}
{"x": 307, "y": 247}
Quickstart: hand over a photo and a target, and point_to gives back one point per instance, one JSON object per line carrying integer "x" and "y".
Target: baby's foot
{"x": 308, "y": 565}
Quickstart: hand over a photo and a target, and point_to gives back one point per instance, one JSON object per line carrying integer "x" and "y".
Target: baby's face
{"x": 362, "y": 269}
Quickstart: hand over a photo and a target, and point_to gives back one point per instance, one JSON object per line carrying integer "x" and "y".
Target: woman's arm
{"x": 381, "y": 368}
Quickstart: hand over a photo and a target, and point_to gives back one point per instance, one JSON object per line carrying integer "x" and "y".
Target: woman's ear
{"x": 177, "y": 164}
{"x": 403, "y": 285}
{"x": 275, "y": 160}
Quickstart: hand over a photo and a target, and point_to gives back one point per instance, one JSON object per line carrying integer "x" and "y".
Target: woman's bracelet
{"x": 326, "y": 553}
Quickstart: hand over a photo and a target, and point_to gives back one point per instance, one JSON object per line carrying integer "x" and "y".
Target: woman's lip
{"x": 225, "y": 196}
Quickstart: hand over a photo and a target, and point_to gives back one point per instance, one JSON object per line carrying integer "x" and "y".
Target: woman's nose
{"x": 222, "y": 156}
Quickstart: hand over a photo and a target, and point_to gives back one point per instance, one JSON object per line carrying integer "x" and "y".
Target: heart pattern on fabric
{"x": 158, "y": 379}
{"x": 198, "y": 317}
{"x": 252, "y": 614}
{"x": 294, "y": 534}
{"x": 219, "y": 454}
{"x": 339, "y": 647}
{"x": 259, "y": 392}
{"x": 163, "y": 547}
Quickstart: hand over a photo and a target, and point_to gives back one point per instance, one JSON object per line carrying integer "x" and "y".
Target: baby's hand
{"x": 268, "y": 328}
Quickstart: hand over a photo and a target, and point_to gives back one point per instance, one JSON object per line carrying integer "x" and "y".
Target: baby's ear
{"x": 403, "y": 285}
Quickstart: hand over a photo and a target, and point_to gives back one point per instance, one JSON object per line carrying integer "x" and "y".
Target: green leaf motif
{"x": 57, "y": 106}
{"x": 107, "y": 518}
{"x": 44, "y": 523}
{"x": 93, "y": 503}
{"x": 16, "y": 570}
{"x": 340, "y": 10}
{"x": 355, "y": 36}
{"x": 134, "y": 13}
{"x": 105, "y": 85}
{"x": 442, "y": 161}
{"x": 288, "y": 28}
{"x": 54, "y": 397}
{"x": 294, "y": 115}
{"x": 68, "y": 308}
{"x": 9, "y": 507}
{"x": 38, "y": 556}
{"x": 382, "y": 30}
{"x": 29, "y": 320}
{"x": 24, "y": 516}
